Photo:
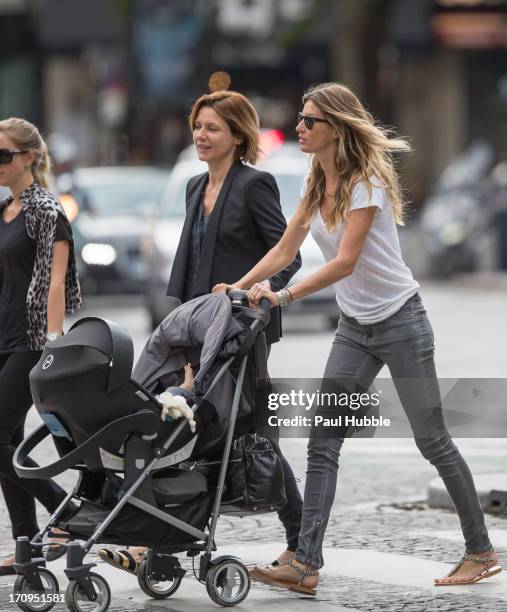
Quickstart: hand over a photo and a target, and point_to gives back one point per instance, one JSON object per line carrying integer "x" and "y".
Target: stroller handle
{"x": 238, "y": 297}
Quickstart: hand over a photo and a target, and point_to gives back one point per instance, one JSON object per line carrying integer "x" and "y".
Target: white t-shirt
{"x": 381, "y": 281}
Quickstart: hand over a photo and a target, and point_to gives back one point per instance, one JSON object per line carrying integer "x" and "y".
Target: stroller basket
{"x": 139, "y": 528}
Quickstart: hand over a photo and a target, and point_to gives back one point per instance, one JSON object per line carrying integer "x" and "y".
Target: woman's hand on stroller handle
{"x": 259, "y": 295}
{"x": 224, "y": 288}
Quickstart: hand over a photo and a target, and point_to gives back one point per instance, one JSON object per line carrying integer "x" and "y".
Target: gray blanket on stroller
{"x": 197, "y": 332}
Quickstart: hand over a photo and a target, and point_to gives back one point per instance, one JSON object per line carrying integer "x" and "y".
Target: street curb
{"x": 438, "y": 497}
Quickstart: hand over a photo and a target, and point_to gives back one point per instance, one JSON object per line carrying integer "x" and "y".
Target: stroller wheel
{"x": 29, "y": 599}
{"x": 228, "y": 582}
{"x": 77, "y": 600}
{"x": 157, "y": 589}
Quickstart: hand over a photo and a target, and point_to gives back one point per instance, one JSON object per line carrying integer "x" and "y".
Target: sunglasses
{"x": 6, "y": 155}
{"x": 310, "y": 120}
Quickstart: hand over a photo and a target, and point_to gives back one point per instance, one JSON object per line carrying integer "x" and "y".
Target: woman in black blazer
{"x": 233, "y": 219}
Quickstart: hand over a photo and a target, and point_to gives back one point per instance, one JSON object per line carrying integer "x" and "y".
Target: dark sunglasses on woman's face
{"x": 6, "y": 155}
{"x": 310, "y": 120}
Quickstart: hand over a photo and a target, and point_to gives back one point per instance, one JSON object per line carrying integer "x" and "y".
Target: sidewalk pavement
{"x": 485, "y": 279}
{"x": 389, "y": 572}
{"x": 191, "y": 596}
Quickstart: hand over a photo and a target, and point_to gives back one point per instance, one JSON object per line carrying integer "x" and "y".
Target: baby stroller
{"x": 131, "y": 489}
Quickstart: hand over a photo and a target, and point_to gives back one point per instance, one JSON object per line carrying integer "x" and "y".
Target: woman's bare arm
{"x": 56, "y": 296}
{"x": 354, "y": 235}
{"x": 356, "y": 229}
{"x": 277, "y": 258}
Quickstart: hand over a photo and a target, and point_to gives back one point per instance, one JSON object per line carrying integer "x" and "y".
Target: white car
{"x": 160, "y": 241}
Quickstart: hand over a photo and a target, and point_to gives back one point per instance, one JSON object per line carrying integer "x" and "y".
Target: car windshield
{"x": 173, "y": 200}
{"x": 116, "y": 198}
{"x": 289, "y": 185}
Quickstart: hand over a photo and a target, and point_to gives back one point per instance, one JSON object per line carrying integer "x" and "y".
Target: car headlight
{"x": 453, "y": 233}
{"x": 70, "y": 206}
{"x": 98, "y": 254}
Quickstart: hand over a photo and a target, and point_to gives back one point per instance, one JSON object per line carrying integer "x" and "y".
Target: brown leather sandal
{"x": 486, "y": 573}
{"x": 277, "y": 563}
{"x": 263, "y": 576}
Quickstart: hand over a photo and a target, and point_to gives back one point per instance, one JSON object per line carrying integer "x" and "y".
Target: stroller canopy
{"x": 204, "y": 328}
{"x": 91, "y": 342}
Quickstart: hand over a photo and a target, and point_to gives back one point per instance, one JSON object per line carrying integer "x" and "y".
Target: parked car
{"x": 108, "y": 207}
{"x": 457, "y": 214}
{"x": 289, "y": 167}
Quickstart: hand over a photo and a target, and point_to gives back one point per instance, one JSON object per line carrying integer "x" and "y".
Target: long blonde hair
{"x": 27, "y": 137}
{"x": 363, "y": 151}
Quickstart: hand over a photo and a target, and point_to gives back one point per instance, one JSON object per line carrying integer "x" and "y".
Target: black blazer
{"x": 246, "y": 222}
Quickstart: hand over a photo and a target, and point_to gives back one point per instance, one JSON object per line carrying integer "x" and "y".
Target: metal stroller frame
{"x": 220, "y": 574}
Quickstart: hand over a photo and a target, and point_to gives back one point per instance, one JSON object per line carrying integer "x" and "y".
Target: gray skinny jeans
{"x": 404, "y": 342}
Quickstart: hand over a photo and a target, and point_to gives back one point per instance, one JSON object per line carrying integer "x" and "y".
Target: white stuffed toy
{"x": 176, "y": 407}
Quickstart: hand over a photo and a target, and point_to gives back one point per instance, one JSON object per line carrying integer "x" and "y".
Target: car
{"x": 456, "y": 217}
{"x": 289, "y": 167}
{"x": 108, "y": 207}
{"x": 4, "y": 193}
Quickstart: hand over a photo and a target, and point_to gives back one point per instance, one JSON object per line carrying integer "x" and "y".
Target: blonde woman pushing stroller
{"x": 351, "y": 203}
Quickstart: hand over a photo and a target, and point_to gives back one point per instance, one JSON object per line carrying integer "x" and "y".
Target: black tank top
{"x": 17, "y": 258}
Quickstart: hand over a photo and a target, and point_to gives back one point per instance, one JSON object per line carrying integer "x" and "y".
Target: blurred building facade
{"x": 119, "y": 76}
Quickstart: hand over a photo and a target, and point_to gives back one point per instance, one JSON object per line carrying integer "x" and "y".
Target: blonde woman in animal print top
{"x": 38, "y": 284}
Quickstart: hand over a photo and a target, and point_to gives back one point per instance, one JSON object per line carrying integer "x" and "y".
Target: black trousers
{"x": 291, "y": 514}
{"x": 15, "y": 401}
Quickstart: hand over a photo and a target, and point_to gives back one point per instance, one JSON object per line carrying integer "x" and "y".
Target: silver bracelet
{"x": 284, "y": 297}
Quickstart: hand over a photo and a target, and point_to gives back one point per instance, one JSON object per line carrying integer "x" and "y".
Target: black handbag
{"x": 254, "y": 479}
